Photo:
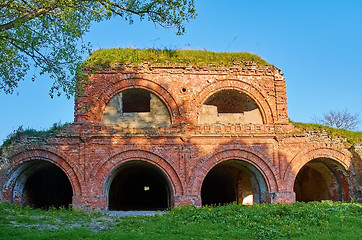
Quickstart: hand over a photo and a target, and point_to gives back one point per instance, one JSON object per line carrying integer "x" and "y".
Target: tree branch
{"x": 115, "y": 6}
{"x": 24, "y": 19}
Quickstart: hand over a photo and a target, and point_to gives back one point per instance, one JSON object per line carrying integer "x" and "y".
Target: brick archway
{"x": 257, "y": 95}
{"x": 200, "y": 171}
{"x": 103, "y": 95}
{"x": 23, "y": 159}
{"x": 342, "y": 160}
{"x": 106, "y": 170}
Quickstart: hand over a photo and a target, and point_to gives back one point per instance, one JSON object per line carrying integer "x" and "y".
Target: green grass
{"x": 352, "y": 137}
{"x": 326, "y": 220}
{"x": 106, "y": 58}
{"x": 33, "y": 133}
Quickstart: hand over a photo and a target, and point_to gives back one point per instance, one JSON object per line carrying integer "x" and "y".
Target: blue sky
{"x": 317, "y": 44}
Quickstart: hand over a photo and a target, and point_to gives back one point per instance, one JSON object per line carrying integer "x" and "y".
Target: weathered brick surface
{"x": 90, "y": 153}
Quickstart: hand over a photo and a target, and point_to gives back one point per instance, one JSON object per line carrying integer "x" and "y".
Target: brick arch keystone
{"x": 100, "y": 99}
{"x": 204, "y": 166}
{"x": 106, "y": 168}
{"x": 33, "y": 153}
{"x": 302, "y": 158}
{"x": 256, "y": 94}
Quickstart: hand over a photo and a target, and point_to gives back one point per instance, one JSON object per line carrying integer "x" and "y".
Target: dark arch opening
{"x": 218, "y": 188}
{"x": 44, "y": 185}
{"x": 139, "y": 185}
{"x": 233, "y": 181}
{"x": 320, "y": 179}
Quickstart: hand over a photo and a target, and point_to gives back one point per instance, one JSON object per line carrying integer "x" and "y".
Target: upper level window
{"x": 136, "y": 108}
{"x": 230, "y": 107}
{"x": 136, "y": 100}
{"x": 231, "y": 101}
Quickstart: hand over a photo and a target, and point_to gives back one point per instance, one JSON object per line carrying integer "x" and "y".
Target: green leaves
{"x": 47, "y": 35}
{"x": 47, "y": 42}
{"x": 15, "y": 67}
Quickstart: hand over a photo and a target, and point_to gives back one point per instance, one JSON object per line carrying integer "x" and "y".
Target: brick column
{"x": 282, "y": 197}
{"x": 181, "y": 200}
{"x": 95, "y": 203}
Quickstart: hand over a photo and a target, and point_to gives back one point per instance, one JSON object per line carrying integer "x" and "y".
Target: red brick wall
{"x": 90, "y": 153}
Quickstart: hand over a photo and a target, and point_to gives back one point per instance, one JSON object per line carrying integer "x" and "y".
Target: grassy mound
{"x": 352, "y": 137}
{"x": 106, "y": 58}
{"x": 33, "y": 133}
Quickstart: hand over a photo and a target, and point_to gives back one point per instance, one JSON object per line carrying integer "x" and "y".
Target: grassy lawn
{"x": 314, "y": 220}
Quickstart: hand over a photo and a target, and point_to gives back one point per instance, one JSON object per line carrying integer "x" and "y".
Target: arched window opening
{"x": 139, "y": 186}
{"x": 43, "y": 185}
{"x": 230, "y": 107}
{"x": 136, "y": 108}
{"x": 233, "y": 181}
{"x": 321, "y": 179}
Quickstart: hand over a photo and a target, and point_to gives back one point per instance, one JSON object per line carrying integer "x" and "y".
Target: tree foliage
{"x": 339, "y": 119}
{"x": 47, "y": 34}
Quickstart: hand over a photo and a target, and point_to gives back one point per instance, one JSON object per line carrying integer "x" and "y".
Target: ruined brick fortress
{"x": 153, "y": 136}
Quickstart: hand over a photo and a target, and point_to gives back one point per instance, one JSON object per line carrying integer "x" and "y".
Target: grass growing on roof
{"x": 105, "y": 58}
{"x": 352, "y": 137}
{"x": 56, "y": 127}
